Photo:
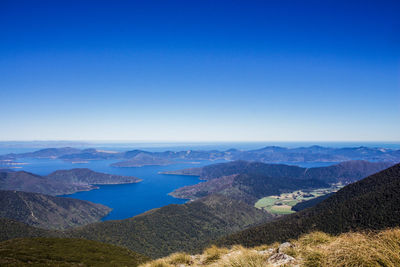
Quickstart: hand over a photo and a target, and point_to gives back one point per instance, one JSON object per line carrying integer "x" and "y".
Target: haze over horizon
{"x": 200, "y": 70}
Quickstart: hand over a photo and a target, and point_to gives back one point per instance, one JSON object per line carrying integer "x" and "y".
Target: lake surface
{"x": 126, "y": 200}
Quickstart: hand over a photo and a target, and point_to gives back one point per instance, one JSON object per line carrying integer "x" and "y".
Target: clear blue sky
{"x": 200, "y": 70}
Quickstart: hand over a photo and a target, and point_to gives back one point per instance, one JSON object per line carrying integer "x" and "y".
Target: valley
{"x": 284, "y": 203}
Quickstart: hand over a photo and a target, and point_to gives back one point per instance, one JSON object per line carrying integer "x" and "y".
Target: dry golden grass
{"x": 180, "y": 258}
{"x": 350, "y": 249}
{"x": 175, "y": 259}
{"x": 213, "y": 254}
{"x": 382, "y": 249}
{"x": 311, "y": 250}
{"x": 314, "y": 239}
{"x": 246, "y": 258}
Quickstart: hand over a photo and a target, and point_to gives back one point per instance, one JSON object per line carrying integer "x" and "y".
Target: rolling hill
{"x": 49, "y": 212}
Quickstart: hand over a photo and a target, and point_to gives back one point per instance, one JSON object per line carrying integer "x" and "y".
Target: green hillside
{"x": 49, "y": 212}
{"x": 65, "y": 252}
{"x": 188, "y": 227}
{"x": 10, "y": 229}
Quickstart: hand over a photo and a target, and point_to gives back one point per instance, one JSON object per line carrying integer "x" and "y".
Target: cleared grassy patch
{"x": 283, "y": 203}
{"x": 282, "y": 209}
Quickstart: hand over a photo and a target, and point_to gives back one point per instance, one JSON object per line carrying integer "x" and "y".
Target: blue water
{"x": 126, "y": 200}
{"x": 132, "y": 199}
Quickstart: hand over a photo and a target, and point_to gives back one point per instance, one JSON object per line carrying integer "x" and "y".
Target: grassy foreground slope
{"x": 65, "y": 252}
{"x": 372, "y": 203}
{"x": 311, "y": 250}
{"x": 188, "y": 227}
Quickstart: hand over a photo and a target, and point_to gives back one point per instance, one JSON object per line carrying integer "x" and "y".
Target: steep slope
{"x": 65, "y": 252}
{"x": 60, "y": 182}
{"x": 251, "y": 180}
{"x": 372, "y": 203}
{"x": 49, "y": 212}
{"x": 187, "y": 227}
{"x": 346, "y": 172}
{"x": 310, "y": 203}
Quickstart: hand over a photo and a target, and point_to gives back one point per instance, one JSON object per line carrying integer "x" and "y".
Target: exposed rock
{"x": 280, "y": 259}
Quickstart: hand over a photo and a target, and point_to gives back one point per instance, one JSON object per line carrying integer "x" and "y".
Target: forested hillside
{"x": 65, "y": 252}
{"x": 187, "y": 227}
{"x": 49, "y": 212}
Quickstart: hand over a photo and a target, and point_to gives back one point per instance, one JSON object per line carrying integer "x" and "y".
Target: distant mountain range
{"x": 372, "y": 203}
{"x": 60, "y": 182}
{"x": 270, "y": 154}
{"x": 49, "y": 212}
{"x": 250, "y": 181}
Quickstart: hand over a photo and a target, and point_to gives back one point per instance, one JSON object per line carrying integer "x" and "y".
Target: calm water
{"x": 126, "y": 200}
